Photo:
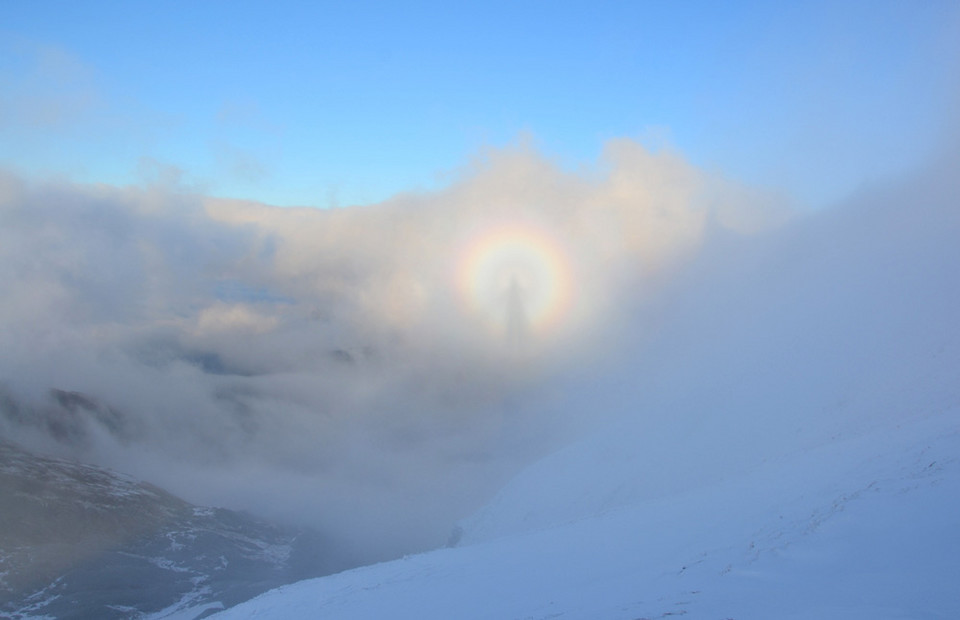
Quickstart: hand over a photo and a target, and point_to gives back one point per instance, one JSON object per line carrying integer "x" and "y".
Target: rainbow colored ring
{"x": 515, "y": 269}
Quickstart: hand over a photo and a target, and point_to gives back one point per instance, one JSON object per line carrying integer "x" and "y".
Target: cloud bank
{"x": 376, "y": 371}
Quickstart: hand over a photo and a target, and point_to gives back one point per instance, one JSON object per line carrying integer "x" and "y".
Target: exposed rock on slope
{"x": 77, "y": 541}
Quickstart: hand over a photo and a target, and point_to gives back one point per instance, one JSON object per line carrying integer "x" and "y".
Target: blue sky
{"x": 330, "y": 104}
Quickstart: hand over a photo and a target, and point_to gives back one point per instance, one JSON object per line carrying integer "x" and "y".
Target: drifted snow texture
{"x": 864, "y": 528}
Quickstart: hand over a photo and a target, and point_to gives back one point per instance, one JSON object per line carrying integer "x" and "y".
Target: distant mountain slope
{"x": 77, "y": 541}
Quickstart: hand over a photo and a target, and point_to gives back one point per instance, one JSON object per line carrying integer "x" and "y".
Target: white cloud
{"x": 326, "y": 359}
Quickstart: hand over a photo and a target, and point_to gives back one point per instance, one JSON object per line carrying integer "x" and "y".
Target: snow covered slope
{"x": 864, "y": 528}
{"x": 785, "y": 443}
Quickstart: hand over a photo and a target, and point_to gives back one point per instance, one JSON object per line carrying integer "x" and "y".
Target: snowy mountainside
{"x": 78, "y": 541}
{"x": 782, "y": 443}
{"x": 863, "y": 528}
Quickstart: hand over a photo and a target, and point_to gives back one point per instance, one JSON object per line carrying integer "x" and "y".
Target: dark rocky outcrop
{"x": 78, "y": 541}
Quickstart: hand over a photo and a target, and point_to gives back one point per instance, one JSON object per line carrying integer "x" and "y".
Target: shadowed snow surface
{"x": 863, "y": 528}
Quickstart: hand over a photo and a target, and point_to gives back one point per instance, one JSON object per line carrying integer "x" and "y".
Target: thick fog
{"x": 833, "y": 328}
{"x": 375, "y": 371}
{"x": 379, "y": 371}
